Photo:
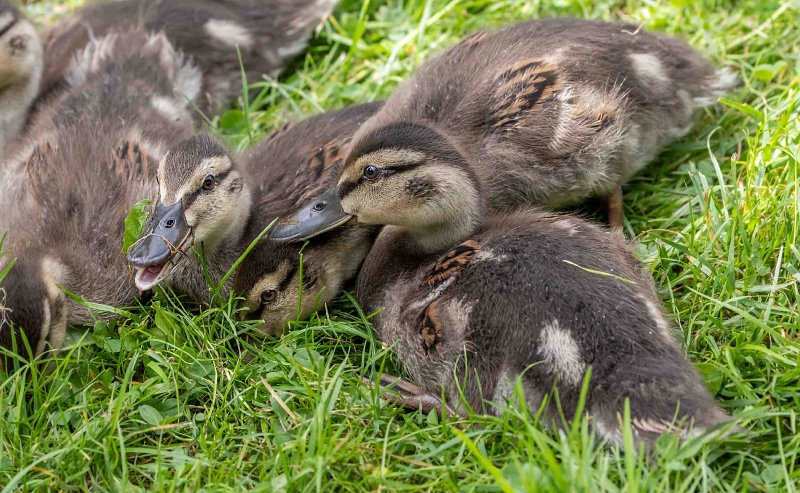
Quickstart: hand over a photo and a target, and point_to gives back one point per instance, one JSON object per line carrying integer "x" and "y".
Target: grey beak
{"x": 165, "y": 232}
{"x": 324, "y": 214}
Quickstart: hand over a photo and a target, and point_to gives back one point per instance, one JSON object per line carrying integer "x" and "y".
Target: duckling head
{"x": 273, "y": 278}
{"x": 271, "y": 281}
{"x": 405, "y": 175}
{"x": 31, "y": 301}
{"x": 203, "y": 199}
{"x": 21, "y": 65}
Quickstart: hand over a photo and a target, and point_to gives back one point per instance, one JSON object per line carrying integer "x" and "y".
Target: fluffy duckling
{"x": 547, "y": 112}
{"x": 270, "y": 278}
{"x": 20, "y": 71}
{"x": 88, "y": 157}
{"x": 207, "y": 199}
{"x": 268, "y": 33}
{"x": 539, "y": 297}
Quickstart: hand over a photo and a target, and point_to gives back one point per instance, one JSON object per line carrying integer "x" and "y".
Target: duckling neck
{"x": 440, "y": 237}
{"x": 15, "y": 102}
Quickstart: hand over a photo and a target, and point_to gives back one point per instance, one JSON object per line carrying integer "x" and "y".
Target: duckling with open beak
{"x": 204, "y": 202}
{"x": 166, "y": 235}
{"x": 207, "y": 197}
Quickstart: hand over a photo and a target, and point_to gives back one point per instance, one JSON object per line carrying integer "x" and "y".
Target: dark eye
{"x": 370, "y": 172}
{"x": 208, "y": 182}
{"x": 268, "y": 296}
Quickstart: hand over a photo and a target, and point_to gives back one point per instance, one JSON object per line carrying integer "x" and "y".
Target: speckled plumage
{"x": 516, "y": 298}
{"x": 553, "y": 111}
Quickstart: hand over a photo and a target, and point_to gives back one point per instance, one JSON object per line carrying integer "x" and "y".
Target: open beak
{"x": 155, "y": 253}
{"x": 324, "y": 214}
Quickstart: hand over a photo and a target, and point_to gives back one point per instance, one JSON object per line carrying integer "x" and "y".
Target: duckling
{"x": 88, "y": 157}
{"x": 546, "y": 112}
{"x": 20, "y": 71}
{"x": 206, "y": 198}
{"x": 268, "y": 34}
{"x": 270, "y": 277}
{"x": 537, "y": 296}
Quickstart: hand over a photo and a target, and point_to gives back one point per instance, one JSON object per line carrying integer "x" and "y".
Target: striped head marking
{"x": 203, "y": 198}
{"x": 270, "y": 279}
{"x": 407, "y": 175}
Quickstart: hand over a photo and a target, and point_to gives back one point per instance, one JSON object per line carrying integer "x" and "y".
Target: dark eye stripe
{"x": 288, "y": 279}
{"x": 189, "y": 199}
{"x": 347, "y": 187}
{"x": 257, "y": 314}
{"x": 11, "y": 24}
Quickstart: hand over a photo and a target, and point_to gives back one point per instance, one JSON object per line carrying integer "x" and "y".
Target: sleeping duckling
{"x": 535, "y": 296}
{"x": 20, "y": 71}
{"x": 546, "y": 112}
{"x": 88, "y": 157}
{"x": 207, "y": 199}
{"x": 268, "y": 34}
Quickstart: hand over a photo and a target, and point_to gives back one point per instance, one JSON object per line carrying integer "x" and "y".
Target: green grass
{"x": 157, "y": 401}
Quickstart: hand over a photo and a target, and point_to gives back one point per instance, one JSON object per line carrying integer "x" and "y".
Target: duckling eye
{"x": 370, "y": 172}
{"x": 268, "y": 296}
{"x": 208, "y": 182}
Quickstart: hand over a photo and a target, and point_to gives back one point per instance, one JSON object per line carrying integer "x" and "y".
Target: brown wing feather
{"x": 430, "y": 330}
{"x": 521, "y": 89}
{"x": 454, "y": 260}
{"x": 319, "y": 164}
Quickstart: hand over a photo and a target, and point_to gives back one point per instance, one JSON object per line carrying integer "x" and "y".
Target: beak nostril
{"x": 319, "y": 206}
{"x": 170, "y": 223}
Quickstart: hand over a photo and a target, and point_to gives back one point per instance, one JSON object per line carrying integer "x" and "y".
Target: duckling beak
{"x": 167, "y": 234}
{"x": 324, "y": 214}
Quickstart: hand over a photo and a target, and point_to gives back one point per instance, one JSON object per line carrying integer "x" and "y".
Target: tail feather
{"x": 723, "y": 82}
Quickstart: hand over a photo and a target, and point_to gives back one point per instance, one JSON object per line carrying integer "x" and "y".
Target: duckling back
{"x": 299, "y": 161}
{"x": 267, "y": 33}
{"x": 543, "y": 298}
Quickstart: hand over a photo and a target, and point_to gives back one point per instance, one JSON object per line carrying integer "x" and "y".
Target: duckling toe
{"x": 410, "y": 396}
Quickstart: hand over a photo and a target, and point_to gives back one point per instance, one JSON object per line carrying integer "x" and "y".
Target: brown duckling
{"x": 474, "y": 302}
{"x": 268, "y": 33}
{"x": 546, "y": 112}
{"x": 206, "y": 198}
{"x": 269, "y": 278}
{"x": 538, "y": 297}
{"x": 88, "y": 156}
{"x": 20, "y": 71}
